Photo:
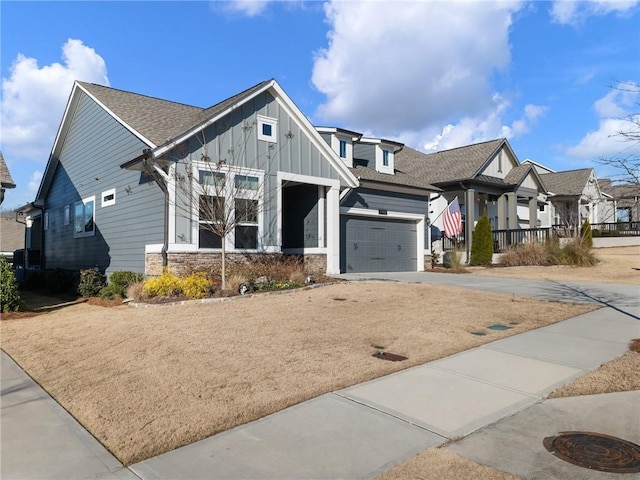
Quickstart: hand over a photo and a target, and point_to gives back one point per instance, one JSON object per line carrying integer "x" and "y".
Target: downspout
{"x": 159, "y": 177}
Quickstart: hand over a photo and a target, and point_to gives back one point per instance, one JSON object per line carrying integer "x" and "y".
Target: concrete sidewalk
{"x": 366, "y": 429}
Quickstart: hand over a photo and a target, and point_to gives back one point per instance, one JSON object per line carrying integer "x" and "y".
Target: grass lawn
{"x": 148, "y": 380}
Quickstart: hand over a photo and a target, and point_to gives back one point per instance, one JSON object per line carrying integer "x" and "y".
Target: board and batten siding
{"x": 234, "y": 141}
{"x": 89, "y": 164}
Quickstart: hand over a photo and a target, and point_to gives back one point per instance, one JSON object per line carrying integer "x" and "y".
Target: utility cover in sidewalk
{"x": 595, "y": 451}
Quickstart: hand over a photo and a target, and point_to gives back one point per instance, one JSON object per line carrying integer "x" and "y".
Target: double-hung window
{"x": 211, "y": 209}
{"x": 83, "y": 218}
{"x": 343, "y": 149}
{"x": 246, "y": 211}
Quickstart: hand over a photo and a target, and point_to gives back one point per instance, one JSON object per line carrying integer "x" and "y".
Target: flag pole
{"x": 432, "y": 221}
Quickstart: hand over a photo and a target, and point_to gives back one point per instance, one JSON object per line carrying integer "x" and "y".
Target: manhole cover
{"x": 392, "y": 357}
{"x": 595, "y": 451}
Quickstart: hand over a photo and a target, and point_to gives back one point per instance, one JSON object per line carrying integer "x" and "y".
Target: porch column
{"x": 533, "y": 212}
{"x": 470, "y": 207}
{"x": 513, "y": 210}
{"x": 502, "y": 212}
{"x": 333, "y": 230}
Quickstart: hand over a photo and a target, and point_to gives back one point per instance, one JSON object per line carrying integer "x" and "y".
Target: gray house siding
{"x": 234, "y": 141}
{"x": 89, "y": 164}
{"x": 364, "y": 155}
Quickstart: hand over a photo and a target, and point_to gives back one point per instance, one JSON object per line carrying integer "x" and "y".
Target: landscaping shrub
{"x": 119, "y": 282}
{"x": 196, "y": 285}
{"x": 110, "y": 292}
{"x": 525, "y": 254}
{"x": 482, "y": 243}
{"x": 575, "y": 253}
{"x": 134, "y": 291}
{"x": 91, "y": 282}
{"x": 9, "y": 295}
{"x": 586, "y": 234}
{"x": 452, "y": 260}
{"x": 166, "y": 285}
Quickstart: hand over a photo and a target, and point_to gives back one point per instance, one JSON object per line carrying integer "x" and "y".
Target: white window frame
{"x": 230, "y": 195}
{"x": 84, "y": 203}
{"x": 273, "y": 122}
{"x": 111, "y": 201}
{"x": 380, "y": 167}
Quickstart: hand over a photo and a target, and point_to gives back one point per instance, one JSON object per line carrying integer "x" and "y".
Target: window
{"x": 46, "y": 220}
{"x": 246, "y": 231}
{"x": 343, "y": 149}
{"x": 267, "y": 129}
{"x": 212, "y": 179}
{"x": 385, "y": 158}
{"x": 211, "y": 210}
{"x": 246, "y": 182}
{"x": 67, "y": 214}
{"x": 109, "y": 197}
{"x": 83, "y": 221}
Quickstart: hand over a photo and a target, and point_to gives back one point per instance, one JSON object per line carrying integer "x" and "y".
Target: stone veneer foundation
{"x": 184, "y": 262}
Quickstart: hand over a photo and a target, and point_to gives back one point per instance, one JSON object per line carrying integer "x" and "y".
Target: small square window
{"x": 67, "y": 214}
{"x": 109, "y": 198}
{"x": 267, "y": 129}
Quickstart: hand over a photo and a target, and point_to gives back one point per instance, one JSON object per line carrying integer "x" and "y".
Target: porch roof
{"x": 570, "y": 183}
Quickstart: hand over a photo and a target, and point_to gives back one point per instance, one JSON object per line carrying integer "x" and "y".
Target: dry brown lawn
{"x": 147, "y": 380}
{"x": 617, "y": 265}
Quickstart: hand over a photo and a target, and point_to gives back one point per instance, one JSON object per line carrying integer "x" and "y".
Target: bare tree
{"x": 225, "y": 192}
{"x": 627, "y": 162}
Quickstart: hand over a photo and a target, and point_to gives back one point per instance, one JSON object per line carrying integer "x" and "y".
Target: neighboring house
{"x": 11, "y": 235}
{"x": 5, "y": 178}
{"x": 574, "y": 196}
{"x": 626, "y": 198}
{"x": 383, "y": 223}
{"x": 487, "y": 178}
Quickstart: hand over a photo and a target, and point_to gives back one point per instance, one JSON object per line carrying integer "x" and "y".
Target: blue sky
{"x": 433, "y": 75}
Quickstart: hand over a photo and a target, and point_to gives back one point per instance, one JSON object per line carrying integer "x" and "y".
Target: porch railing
{"x": 503, "y": 239}
{"x": 617, "y": 229}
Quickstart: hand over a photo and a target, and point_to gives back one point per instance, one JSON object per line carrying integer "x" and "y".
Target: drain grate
{"x": 392, "y": 357}
{"x": 595, "y": 451}
{"x": 498, "y": 327}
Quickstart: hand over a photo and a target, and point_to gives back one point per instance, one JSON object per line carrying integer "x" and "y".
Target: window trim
{"x": 107, "y": 193}
{"x": 84, "y": 203}
{"x": 273, "y": 122}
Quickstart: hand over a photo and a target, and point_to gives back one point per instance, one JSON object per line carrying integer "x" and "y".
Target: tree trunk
{"x": 223, "y": 284}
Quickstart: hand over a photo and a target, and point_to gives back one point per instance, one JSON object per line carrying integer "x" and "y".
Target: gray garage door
{"x": 377, "y": 245}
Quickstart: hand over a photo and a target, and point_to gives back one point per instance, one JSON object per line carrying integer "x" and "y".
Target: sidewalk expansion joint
{"x": 404, "y": 420}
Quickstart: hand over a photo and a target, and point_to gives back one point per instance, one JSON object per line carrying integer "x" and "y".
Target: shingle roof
{"x": 569, "y": 183}
{"x": 399, "y": 178}
{"x": 158, "y": 120}
{"x": 11, "y": 233}
{"x": 460, "y": 163}
{"x": 618, "y": 192}
{"x": 5, "y": 176}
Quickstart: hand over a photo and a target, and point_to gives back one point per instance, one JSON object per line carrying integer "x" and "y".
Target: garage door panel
{"x": 376, "y": 245}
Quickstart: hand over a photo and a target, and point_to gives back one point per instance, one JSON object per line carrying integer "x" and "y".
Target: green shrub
{"x": 92, "y": 281}
{"x": 196, "y": 285}
{"x": 119, "y": 282}
{"x": 586, "y": 234}
{"x": 110, "y": 292}
{"x": 9, "y": 296}
{"x": 482, "y": 243}
{"x": 166, "y": 285}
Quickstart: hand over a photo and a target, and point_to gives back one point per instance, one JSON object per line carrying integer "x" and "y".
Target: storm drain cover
{"x": 595, "y": 451}
{"x": 498, "y": 327}
{"x": 392, "y": 357}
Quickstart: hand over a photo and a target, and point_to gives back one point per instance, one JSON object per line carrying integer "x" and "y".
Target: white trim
{"x": 116, "y": 117}
{"x": 295, "y": 177}
{"x": 107, "y": 193}
{"x": 153, "y": 248}
{"x": 322, "y": 199}
{"x": 333, "y": 231}
{"x": 273, "y": 122}
{"x": 380, "y": 166}
{"x": 420, "y": 227}
{"x": 305, "y": 251}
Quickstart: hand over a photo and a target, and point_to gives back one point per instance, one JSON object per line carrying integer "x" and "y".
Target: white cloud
{"x": 34, "y": 182}
{"x": 398, "y": 68}
{"x": 616, "y": 114}
{"x": 574, "y": 12}
{"x": 34, "y": 98}
{"x": 250, "y": 8}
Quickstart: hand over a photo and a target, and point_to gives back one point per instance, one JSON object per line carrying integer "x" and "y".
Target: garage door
{"x": 377, "y": 245}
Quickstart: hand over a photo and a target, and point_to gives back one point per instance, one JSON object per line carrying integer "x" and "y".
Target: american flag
{"x": 452, "y": 219}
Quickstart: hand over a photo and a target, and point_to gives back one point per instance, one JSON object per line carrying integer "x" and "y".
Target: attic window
{"x": 109, "y": 198}
{"x": 267, "y": 129}
{"x": 385, "y": 158}
{"x": 343, "y": 149}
